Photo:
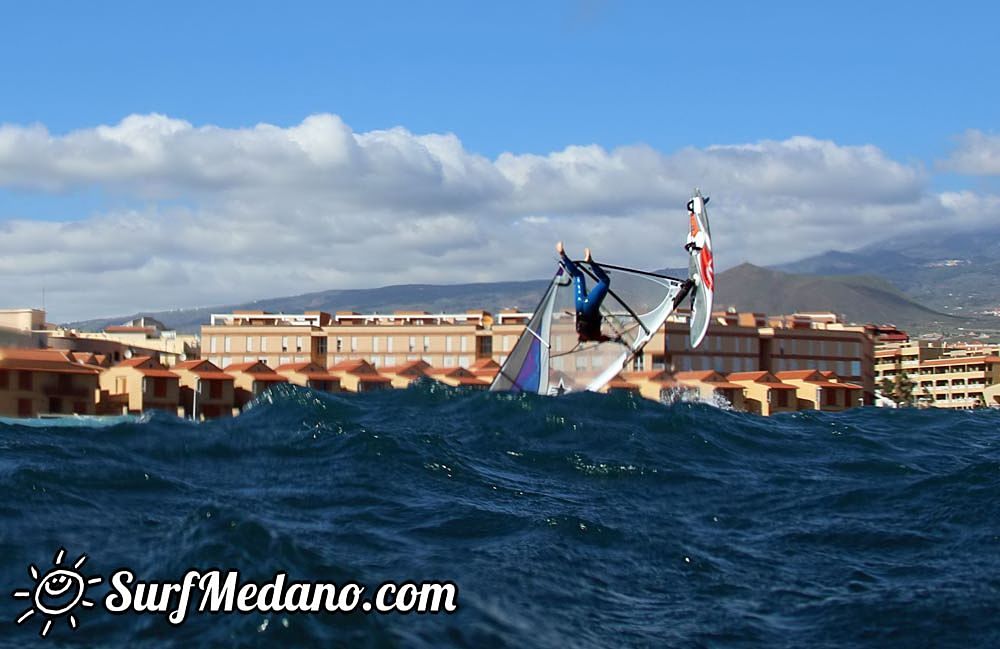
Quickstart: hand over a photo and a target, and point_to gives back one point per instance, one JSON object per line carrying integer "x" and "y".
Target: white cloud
{"x": 228, "y": 215}
{"x": 977, "y": 154}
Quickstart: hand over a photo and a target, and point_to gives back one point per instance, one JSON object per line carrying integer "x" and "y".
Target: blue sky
{"x": 578, "y": 120}
{"x": 518, "y": 76}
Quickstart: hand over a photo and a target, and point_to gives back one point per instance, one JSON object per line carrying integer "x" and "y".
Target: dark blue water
{"x": 584, "y": 521}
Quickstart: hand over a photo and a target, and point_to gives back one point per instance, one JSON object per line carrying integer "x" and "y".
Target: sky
{"x": 157, "y": 156}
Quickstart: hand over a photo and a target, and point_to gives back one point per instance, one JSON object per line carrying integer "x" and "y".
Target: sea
{"x": 584, "y": 521}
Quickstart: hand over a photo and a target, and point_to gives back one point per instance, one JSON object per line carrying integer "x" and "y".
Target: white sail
{"x": 549, "y": 357}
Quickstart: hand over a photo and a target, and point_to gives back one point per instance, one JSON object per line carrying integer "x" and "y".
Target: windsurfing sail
{"x": 549, "y": 358}
{"x": 701, "y": 269}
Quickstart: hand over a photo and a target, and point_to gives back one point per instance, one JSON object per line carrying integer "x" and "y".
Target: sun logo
{"x": 57, "y": 592}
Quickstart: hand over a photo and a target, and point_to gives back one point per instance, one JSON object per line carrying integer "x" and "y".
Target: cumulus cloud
{"x": 977, "y": 154}
{"x": 207, "y": 215}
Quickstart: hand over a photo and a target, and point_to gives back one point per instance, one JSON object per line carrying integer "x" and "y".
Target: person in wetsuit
{"x": 588, "y": 305}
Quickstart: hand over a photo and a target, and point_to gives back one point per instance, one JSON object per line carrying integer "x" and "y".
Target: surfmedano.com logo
{"x": 56, "y": 595}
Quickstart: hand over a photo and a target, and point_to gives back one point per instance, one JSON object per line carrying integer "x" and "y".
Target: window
{"x": 447, "y": 343}
{"x": 354, "y": 343}
{"x": 159, "y": 387}
{"x": 321, "y": 346}
{"x": 24, "y": 380}
{"x": 412, "y": 344}
{"x": 249, "y": 343}
{"x": 285, "y": 360}
{"x": 464, "y": 362}
{"x": 284, "y": 343}
{"x": 783, "y": 398}
{"x": 212, "y": 343}
{"x": 449, "y": 361}
{"x": 298, "y": 343}
{"x": 506, "y": 343}
{"x": 639, "y": 364}
{"x": 227, "y": 344}
{"x": 427, "y": 343}
{"x": 463, "y": 343}
{"x": 339, "y": 344}
{"x": 215, "y": 389}
{"x": 263, "y": 343}
{"x": 388, "y": 344}
{"x": 227, "y": 361}
{"x": 375, "y": 344}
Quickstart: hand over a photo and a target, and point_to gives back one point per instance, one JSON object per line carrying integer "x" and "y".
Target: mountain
{"x": 858, "y": 298}
{"x": 423, "y": 297}
{"x": 953, "y": 271}
{"x": 747, "y": 287}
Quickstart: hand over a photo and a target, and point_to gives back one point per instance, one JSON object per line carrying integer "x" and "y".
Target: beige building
{"x": 140, "y": 337}
{"x": 401, "y": 376}
{"x": 821, "y": 391}
{"x": 754, "y": 342}
{"x": 457, "y": 377}
{"x": 138, "y": 385}
{"x": 360, "y": 376}
{"x": 45, "y": 382}
{"x": 764, "y": 393}
{"x": 206, "y": 391}
{"x": 958, "y": 382}
{"x": 310, "y": 375}
{"x": 273, "y": 339}
{"x": 251, "y": 379}
{"x": 712, "y": 386}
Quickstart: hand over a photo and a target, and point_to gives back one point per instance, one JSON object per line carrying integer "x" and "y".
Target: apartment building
{"x": 310, "y": 375}
{"x": 764, "y": 393}
{"x": 754, "y": 342}
{"x": 817, "y": 390}
{"x": 250, "y": 379}
{"x": 445, "y": 340}
{"x": 958, "y": 382}
{"x": 143, "y": 336}
{"x": 273, "y": 339}
{"x": 137, "y": 385}
{"x": 360, "y": 376}
{"x": 895, "y": 357}
{"x": 206, "y": 391}
{"x": 46, "y": 382}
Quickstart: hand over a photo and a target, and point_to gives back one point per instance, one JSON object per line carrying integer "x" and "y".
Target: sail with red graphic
{"x": 701, "y": 269}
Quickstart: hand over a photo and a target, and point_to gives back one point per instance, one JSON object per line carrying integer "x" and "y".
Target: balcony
{"x": 69, "y": 391}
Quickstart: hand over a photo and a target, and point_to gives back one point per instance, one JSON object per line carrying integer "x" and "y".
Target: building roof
{"x": 203, "y": 369}
{"x": 760, "y": 377}
{"x": 708, "y": 377}
{"x": 411, "y": 368}
{"x": 618, "y": 383}
{"x": 253, "y": 367}
{"x": 43, "y": 360}
{"x": 962, "y": 360}
{"x": 354, "y": 366}
{"x": 126, "y": 329}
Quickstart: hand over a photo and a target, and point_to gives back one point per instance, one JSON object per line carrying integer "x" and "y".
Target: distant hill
{"x": 747, "y": 287}
{"x": 424, "y": 297}
{"x": 949, "y": 270}
{"x": 857, "y": 298}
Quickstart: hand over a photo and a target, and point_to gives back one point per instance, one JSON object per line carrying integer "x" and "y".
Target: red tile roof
{"x": 42, "y": 361}
{"x": 157, "y": 373}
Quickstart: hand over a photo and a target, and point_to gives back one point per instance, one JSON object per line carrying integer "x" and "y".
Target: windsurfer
{"x": 588, "y": 305}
